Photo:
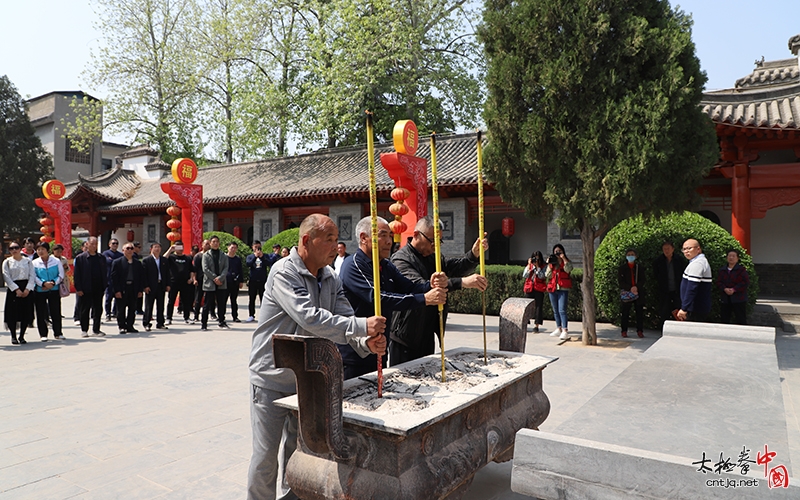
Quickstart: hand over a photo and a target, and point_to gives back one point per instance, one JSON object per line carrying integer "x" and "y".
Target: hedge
{"x": 243, "y": 251}
{"x": 287, "y": 238}
{"x": 505, "y": 282}
{"x": 646, "y": 236}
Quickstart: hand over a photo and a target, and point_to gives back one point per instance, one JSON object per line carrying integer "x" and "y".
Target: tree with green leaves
{"x": 24, "y": 164}
{"x": 147, "y": 66}
{"x": 401, "y": 60}
{"x": 593, "y": 114}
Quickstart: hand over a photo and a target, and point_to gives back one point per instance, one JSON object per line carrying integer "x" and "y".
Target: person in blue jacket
{"x": 398, "y": 293}
{"x": 695, "y": 284}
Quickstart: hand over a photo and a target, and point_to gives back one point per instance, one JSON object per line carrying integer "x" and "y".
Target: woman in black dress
{"x": 18, "y": 273}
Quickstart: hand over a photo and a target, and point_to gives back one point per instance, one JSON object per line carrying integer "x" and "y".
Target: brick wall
{"x": 778, "y": 280}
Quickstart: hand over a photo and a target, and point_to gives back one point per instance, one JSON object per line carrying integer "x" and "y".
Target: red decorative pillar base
{"x": 189, "y": 198}
{"x": 61, "y": 213}
{"x": 410, "y": 172}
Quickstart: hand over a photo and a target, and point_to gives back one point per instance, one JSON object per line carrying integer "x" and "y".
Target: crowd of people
{"x": 200, "y": 282}
{"x": 683, "y": 286}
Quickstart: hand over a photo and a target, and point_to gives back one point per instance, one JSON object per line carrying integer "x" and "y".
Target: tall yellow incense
{"x": 373, "y": 213}
{"x": 437, "y": 237}
{"x": 480, "y": 235}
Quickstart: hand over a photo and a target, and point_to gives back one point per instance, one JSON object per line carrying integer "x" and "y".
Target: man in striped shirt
{"x": 695, "y": 284}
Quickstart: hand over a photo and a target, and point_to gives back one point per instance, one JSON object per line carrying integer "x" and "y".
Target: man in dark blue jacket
{"x": 111, "y": 255}
{"x": 91, "y": 277}
{"x": 234, "y": 279}
{"x": 695, "y": 284}
{"x": 398, "y": 293}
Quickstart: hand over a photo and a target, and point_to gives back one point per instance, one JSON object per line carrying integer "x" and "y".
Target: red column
{"x": 740, "y": 193}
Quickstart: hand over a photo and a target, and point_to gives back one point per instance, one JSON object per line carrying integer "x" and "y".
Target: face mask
{"x": 630, "y": 258}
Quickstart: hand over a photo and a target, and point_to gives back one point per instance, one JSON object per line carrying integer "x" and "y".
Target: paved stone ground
{"x": 165, "y": 414}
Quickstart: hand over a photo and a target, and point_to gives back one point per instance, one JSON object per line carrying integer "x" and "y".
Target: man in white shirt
{"x": 341, "y": 254}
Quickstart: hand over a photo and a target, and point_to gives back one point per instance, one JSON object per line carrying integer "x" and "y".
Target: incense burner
{"x": 429, "y": 452}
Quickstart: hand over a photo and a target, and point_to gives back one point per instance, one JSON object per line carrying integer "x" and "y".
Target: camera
{"x": 553, "y": 259}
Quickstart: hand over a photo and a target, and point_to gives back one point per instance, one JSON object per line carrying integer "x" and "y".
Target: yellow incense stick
{"x": 480, "y": 235}
{"x": 373, "y": 212}
{"x": 437, "y": 237}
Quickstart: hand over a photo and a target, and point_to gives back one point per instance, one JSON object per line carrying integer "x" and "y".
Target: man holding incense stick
{"x": 303, "y": 297}
{"x": 397, "y": 292}
{"x": 412, "y": 333}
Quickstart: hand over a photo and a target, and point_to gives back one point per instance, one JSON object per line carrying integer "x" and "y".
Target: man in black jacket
{"x": 181, "y": 281}
{"x": 668, "y": 268}
{"x": 91, "y": 278}
{"x": 412, "y": 332}
{"x": 156, "y": 283}
{"x": 127, "y": 283}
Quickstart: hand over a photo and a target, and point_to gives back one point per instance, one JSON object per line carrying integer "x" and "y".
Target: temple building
{"x": 752, "y": 191}
{"x": 754, "y": 188}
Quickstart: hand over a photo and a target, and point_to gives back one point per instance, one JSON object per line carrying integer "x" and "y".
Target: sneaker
{"x": 22, "y": 341}
{"x": 236, "y": 320}
{"x": 147, "y": 328}
{"x": 249, "y": 319}
{"x": 44, "y": 339}
{"x": 564, "y": 335}
{"x": 535, "y": 329}
{"x": 640, "y": 334}
{"x": 213, "y": 316}
{"x": 77, "y": 322}
{"x": 556, "y": 332}
{"x": 85, "y": 335}
{"x": 224, "y": 326}
{"x": 188, "y": 322}
{"x": 132, "y": 330}
{"x": 98, "y": 334}
{"x": 161, "y": 327}
{"x": 122, "y": 331}
{"x": 624, "y": 335}
{"x": 203, "y": 328}
{"x": 169, "y": 322}
{"x": 15, "y": 341}
{"x": 60, "y": 337}
{"x": 108, "y": 318}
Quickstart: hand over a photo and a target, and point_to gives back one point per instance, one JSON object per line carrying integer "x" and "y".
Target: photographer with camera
{"x": 535, "y": 285}
{"x": 559, "y": 284}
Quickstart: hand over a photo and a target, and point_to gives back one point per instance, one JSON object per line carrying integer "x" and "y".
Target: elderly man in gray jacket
{"x": 303, "y": 297}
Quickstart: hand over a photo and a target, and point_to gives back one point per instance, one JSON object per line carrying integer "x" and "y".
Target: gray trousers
{"x": 274, "y": 441}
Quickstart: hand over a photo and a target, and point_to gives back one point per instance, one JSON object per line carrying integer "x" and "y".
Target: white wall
{"x": 776, "y": 238}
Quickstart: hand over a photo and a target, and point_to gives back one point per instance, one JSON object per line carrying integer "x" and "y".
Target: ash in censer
{"x": 420, "y": 386}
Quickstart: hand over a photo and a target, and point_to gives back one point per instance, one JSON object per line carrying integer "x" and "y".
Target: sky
{"x": 45, "y": 44}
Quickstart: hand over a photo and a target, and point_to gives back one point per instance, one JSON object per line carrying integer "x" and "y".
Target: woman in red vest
{"x": 535, "y": 285}
{"x": 558, "y": 285}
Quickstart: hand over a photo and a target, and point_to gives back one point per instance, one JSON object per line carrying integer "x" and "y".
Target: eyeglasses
{"x": 127, "y": 248}
{"x": 115, "y": 243}
{"x": 426, "y": 237}
{"x": 13, "y": 248}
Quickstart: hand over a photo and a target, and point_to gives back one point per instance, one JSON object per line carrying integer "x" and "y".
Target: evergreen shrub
{"x": 646, "y": 235}
{"x": 287, "y": 238}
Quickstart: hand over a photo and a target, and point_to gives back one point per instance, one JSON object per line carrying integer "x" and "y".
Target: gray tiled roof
{"x": 784, "y": 71}
{"x": 114, "y": 185}
{"x": 323, "y": 173}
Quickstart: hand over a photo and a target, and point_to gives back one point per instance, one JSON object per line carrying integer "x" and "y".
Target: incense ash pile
{"x": 418, "y": 387}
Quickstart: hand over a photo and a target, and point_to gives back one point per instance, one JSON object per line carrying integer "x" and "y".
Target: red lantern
{"x": 400, "y": 193}
{"x": 173, "y": 236}
{"x": 131, "y": 235}
{"x": 44, "y": 229}
{"x": 173, "y": 224}
{"x": 398, "y": 227}
{"x": 173, "y": 211}
{"x": 45, "y": 221}
{"x": 508, "y": 227}
{"x": 398, "y": 208}
{"x": 237, "y": 231}
{"x": 46, "y": 238}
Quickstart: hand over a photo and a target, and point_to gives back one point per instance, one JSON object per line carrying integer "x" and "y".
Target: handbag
{"x": 628, "y": 296}
{"x": 63, "y": 289}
